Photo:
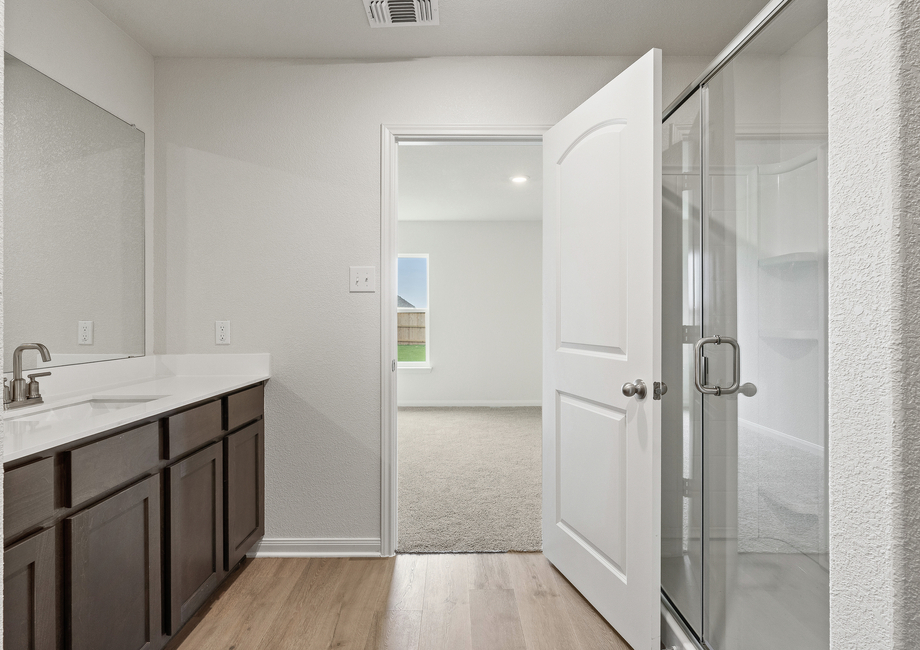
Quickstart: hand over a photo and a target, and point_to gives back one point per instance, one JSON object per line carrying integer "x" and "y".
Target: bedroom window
{"x": 412, "y": 318}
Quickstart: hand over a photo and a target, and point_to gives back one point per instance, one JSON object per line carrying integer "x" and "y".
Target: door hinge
{"x": 692, "y": 333}
{"x": 659, "y": 388}
{"x": 687, "y": 487}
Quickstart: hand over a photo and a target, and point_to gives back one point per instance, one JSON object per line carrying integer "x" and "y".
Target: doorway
{"x": 456, "y": 344}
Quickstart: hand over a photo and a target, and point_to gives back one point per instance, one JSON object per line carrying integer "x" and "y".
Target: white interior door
{"x": 602, "y": 260}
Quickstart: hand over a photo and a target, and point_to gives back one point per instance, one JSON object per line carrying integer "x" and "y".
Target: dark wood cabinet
{"x": 110, "y": 462}
{"x": 114, "y": 541}
{"x": 195, "y": 524}
{"x": 28, "y": 496}
{"x": 29, "y": 593}
{"x": 190, "y": 429}
{"x": 113, "y": 571}
{"x": 244, "y": 407}
{"x": 245, "y": 489}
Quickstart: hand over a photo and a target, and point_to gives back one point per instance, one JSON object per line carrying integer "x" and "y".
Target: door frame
{"x": 390, "y": 137}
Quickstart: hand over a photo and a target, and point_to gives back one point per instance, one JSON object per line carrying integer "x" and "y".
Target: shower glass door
{"x": 744, "y": 474}
{"x": 681, "y": 410}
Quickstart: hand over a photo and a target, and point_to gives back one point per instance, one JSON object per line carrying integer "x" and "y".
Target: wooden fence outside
{"x": 410, "y": 327}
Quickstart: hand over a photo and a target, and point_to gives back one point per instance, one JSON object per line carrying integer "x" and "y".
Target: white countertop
{"x": 168, "y": 382}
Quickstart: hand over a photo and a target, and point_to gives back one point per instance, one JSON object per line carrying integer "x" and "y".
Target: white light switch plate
{"x": 362, "y": 279}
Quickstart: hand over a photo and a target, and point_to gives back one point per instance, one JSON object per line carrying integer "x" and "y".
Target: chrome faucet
{"x": 22, "y": 394}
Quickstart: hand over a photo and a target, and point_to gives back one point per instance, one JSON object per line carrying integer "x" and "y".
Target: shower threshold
{"x": 674, "y": 634}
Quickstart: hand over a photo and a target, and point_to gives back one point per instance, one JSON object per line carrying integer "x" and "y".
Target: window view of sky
{"x": 412, "y": 284}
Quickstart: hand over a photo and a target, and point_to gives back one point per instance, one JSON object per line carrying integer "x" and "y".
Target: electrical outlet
{"x": 85, "y": 332}
{"x": 222, "y": 332}
{"x": 361, "y": 279}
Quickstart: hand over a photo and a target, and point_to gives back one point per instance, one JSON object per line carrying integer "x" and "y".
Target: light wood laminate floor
{"x": 500, "y": 601}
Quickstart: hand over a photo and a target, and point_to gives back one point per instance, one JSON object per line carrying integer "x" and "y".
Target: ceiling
{"x": 339, "y": 28}
{"x": 458, "y": 182}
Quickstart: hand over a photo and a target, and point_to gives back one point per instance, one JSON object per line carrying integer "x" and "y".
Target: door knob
{"x": 638, "y": 389}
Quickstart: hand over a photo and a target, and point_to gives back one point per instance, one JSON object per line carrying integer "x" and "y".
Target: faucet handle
{"x": 6, "y": 392}
{"x": 33, "y": 384}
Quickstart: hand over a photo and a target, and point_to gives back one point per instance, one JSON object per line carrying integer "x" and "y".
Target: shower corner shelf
{"x": 790, "y": 258}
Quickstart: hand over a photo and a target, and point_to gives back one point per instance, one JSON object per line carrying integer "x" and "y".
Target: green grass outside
{"x": 411, "y": 352}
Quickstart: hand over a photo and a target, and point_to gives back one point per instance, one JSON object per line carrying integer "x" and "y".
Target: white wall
{"x": 74, "y": 44}
{"x": 874, "y": 270}
{"x": 268, "y": 189}
{"x": 485, "y": 298}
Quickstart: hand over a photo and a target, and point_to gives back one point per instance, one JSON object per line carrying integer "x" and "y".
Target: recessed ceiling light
{"x": 519, "y": 179}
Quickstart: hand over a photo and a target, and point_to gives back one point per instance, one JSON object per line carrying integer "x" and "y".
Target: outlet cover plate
{"x": 85, "y": 332}
{"x": 222, "y": 332}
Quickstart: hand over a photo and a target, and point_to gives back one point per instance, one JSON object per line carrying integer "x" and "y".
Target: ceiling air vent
{"x": 401, "y": 13}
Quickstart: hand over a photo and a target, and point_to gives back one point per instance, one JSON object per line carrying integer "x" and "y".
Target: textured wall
{"x": 874, "y": 324}
{"x": 485, "y": 298}
{"x": 268, "y": 189}
{"x": 906, "y": 534}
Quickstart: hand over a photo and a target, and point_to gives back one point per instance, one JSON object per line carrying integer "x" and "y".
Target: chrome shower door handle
{"x": 698, "y": 378}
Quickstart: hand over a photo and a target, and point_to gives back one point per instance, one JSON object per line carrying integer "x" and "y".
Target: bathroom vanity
{"x": 115, "y": 535}
{"x": 138, "y": 485}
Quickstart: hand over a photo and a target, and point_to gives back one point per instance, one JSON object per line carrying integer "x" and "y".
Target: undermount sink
{"x": 79, "y": 410}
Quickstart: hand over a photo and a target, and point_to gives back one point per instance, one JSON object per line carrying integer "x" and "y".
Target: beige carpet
{"x": 469, "y": 479}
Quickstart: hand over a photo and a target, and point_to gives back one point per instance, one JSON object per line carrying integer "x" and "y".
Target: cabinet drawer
{"x": 193, "y": 428}
{"x": 28, "y": 496}
{"x": 102, "y": 465}
{"x": 245, "y": 406}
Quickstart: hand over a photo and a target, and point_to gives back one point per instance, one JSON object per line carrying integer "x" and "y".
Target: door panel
{"x": 592, "y": 459}
{"x": 113, "y": 554}
{"x": 244, "y": 455}
{"x": 30, "y": 593}
{"x": 196, "y": 532}
{"x": 592, "y": 239}
{"x": 601, "y": 449}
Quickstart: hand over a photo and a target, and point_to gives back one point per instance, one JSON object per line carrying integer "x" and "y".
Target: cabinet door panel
{"x": 245, "y": 490}
{"x": 196, "y": 532}
{"x": 29, "y": 612}
{"x": 113, "y": 552}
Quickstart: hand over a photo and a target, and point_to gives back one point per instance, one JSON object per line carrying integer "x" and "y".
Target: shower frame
{"x": 676, "y": 631}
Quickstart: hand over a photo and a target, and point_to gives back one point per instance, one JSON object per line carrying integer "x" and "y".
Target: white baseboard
{"x": 316, "y": 547}
{"x": 484, "y": 403}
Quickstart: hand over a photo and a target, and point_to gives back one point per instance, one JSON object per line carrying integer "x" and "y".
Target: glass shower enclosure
{"x": 744, "y": 539}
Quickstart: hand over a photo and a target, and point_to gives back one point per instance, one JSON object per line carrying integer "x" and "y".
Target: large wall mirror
{"x": 73, "y": 245}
